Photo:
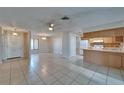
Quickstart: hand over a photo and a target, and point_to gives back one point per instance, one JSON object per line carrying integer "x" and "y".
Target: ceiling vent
{"x": 65, "y": 18}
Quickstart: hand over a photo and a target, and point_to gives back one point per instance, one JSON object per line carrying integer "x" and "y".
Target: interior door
{"x": 14, "y": 46}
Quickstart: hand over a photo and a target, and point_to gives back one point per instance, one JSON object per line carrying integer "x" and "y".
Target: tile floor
{"x": 48, "y": 69}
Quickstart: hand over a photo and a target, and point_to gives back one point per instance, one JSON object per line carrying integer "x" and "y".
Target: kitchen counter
{"x": 107, "y": 57}
{"x": 106, "y": 50}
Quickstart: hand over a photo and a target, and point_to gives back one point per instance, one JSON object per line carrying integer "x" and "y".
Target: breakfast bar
{"x": 107, "y": 57}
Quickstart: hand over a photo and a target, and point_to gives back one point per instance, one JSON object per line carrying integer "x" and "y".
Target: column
{"x": 69, "y": 44}
{"x": 0, "y": 45}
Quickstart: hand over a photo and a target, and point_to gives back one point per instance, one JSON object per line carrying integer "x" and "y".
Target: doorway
{"x": 83, "y": 44}
{"x": 15, "y": 44}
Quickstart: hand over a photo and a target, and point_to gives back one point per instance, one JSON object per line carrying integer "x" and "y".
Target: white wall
{"x": 0, "y": 45}
{"x": 12, "y": 45}
{"x": 66, "y": 44}
{"x": 78, "y": 45}
{"x": 57, "y": 43}
{"x": 44, "y": 45}
{"x": 69, "y": 44}
{"x": 72, "y": 44}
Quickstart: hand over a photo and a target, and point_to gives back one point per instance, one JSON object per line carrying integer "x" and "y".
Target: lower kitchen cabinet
{"x": 114, "y": 60}
{"x": 110, "y": 59}
{"x": 123, "y": 61}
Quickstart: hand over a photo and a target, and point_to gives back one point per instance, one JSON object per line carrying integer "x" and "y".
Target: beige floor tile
{"x": 65, "y": 80}
{"x": 114, "y": 81}
{"x": 83, "y": 80}
{"x": 51, "y": 69}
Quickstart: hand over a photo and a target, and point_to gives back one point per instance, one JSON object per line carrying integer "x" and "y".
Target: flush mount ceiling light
{"x": 14, "y": 34}
{"x": 43, "y": 38}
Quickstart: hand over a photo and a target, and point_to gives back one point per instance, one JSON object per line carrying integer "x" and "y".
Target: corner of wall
{"x": 0, "y": 45}
{"x": 1, "y": 62}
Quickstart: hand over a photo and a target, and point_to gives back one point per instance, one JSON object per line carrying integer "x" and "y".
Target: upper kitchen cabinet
{"x": 108, "y": 40}
{"x": 105, "y": 33}
{"x": 119, "y": 32}
{"x": 119, "y": 39}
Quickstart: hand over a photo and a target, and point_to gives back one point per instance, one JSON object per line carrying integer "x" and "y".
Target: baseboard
{"x": 14, "y": 58}
{"x": 65, "y": 57}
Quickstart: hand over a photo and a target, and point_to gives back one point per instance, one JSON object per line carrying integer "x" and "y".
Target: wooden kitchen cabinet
{"x": 114, "y": 60}
{"x": 122, "y": 61}
{"x": 111, "y": 59}
{"x": 119, "y": 32}
{"x": 119, "y": 39}
{"x": 105, "y": 33}
{"x": 87, "y": 56}
{"x": 108, "y": 40}
{"x": 100, "y": 58}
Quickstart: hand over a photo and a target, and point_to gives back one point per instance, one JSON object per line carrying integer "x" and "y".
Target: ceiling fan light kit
{"x": 51, "y": 25}
{"x": 51, "y": 28}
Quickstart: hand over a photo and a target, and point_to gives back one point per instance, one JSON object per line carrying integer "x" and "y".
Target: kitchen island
{"x": 107, "y": 57}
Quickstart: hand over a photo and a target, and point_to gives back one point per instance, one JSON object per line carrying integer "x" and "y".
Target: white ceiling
{"x": 81, "y": 19}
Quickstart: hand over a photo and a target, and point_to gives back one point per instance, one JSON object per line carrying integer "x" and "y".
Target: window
{"x": 34, "y": 44}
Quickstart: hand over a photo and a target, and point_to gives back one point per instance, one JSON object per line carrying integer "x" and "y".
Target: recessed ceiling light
{"x": 50, "y": 28}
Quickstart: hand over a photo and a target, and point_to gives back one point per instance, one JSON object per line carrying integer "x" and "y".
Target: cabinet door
{"x": 123, "y": 61}
{"x": 119, "y": 39}
{"x": 100, "y": 58}
{"x": 108, "y": 40}
{"x": 115, "y": 60}
{"x": 87, "y": 56}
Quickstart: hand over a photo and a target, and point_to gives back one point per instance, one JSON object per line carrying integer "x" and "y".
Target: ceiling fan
{"x": 53, "y": 22}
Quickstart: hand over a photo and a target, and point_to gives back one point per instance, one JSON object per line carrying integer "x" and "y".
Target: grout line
{"x": 107, "y": 75}
{"x": 58, "y": 81}
{"x": 39, "y": 77}
{"x": 10, "y": 73}
{"x": 23, "y": 73}
{"x": 91, "y": 78}
{"x": 122, "y": 75}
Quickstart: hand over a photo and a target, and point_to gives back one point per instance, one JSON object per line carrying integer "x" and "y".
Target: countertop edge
{"x": 111, "y": 51}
